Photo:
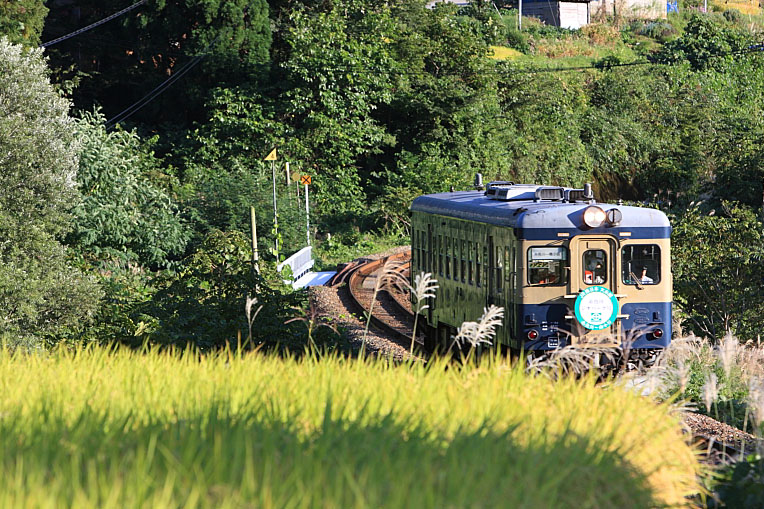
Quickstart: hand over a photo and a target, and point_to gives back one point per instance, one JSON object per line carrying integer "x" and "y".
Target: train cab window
{"x": 546, "y": 265}
{"x": 595, "y": 267}
{"x": 641, "y": 263}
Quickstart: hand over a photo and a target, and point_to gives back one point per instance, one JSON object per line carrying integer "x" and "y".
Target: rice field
{"x": 98, "y": 428}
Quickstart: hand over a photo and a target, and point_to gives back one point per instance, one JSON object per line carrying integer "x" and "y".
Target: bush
{"x": 658, "y": 30}
{"x": 734, "y": 16}
{"x": 123, "y": 214}
{"x": 203, "y": 303}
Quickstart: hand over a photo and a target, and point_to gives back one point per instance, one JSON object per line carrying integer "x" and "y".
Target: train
{"x": 566, "y": 269}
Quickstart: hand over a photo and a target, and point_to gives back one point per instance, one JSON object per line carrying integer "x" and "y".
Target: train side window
{"x": 470, "y": 256}
{"x": 499, "y": 268}
{"x": 486, "y": 268}
{"x": 595, "y": 267}
{"x": 440, "y": 254}
{"x": 478, "y": 266}
{"x": 415, "y": 250}
{"x": 456, "y": 259}
{"x": 448, "y": 258}
{"x": 464, "y": 263}
{"x": 546, "y": 265}
{"x": 641, "y": 263}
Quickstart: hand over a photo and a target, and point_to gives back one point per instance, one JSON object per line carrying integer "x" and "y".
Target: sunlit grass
{"x": 745, "y": 6}
{"x": 504, "y": 53}
{"x": 93, "y": 428}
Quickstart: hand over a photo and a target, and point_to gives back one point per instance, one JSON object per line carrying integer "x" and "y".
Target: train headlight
{"x": 594, "y": 216}
{"x": 533, "y": 334}
{"x": 657, "y": 333}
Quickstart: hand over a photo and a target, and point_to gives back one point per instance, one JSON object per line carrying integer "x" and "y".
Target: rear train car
{"x": 565, "y": 268}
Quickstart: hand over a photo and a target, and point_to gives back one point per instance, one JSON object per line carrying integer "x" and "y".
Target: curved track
{"x": 390, "y": 311}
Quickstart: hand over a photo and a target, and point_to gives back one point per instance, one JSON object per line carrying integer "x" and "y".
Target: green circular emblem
{"x": 596, "y": 308}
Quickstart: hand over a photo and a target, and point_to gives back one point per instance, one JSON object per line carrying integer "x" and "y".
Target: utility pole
{"x": 307, "y": 215}
{"x": 255, "y": 254}
{"x": 272, "y": 158}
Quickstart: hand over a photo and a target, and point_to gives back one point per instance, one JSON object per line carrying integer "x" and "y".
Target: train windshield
{"x": 595, "y": 263}
{"x": 641, "y": 263}
{"x": 546, "y": 265}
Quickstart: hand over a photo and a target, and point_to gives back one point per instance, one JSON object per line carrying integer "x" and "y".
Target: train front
{"x": 594, "y": 273}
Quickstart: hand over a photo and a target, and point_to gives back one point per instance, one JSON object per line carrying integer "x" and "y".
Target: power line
{"x": 136, "y": 106}
{"x": 93, "y": 25}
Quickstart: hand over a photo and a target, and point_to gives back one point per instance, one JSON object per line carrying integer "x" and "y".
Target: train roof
{"x": 520, "y": 208}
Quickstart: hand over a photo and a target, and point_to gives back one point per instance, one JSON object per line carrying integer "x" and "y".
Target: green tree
{"x": 21, "y": 21}
{"x": 125, "y": 59}
{"x": 40, "y": 292}
{"x": 705, "y": 43}
{"x": 718, "y": 270}
{"x": 123, "y": 214}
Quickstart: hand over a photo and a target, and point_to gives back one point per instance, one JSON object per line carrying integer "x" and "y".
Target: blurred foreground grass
{"x": 113, "y": 429}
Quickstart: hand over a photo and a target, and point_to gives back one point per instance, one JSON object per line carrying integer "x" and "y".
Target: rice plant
{"x": 423, "y": 289}
{"x": 96, "y": 428}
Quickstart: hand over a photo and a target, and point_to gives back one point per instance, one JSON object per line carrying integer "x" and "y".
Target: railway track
{"x": 390, "y": 311}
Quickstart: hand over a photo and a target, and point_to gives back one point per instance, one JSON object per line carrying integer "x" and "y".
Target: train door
{"x": 593, "y": 267}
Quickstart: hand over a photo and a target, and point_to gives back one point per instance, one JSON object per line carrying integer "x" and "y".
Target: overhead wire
{"x": 159, "y": 89}
{"x": 93, "y": 25}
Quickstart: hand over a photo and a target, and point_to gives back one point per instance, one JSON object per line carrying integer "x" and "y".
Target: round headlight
{"x": 614, "y": 217}
{"x": 594, "y": 217}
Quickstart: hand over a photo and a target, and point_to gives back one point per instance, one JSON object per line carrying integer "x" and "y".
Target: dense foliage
{"x": 21, "y": 21}
{"x": 41, "y": 293}
{"x": 123, "y": 214}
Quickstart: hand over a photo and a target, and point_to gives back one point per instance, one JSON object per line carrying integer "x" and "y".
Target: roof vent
{"x": 495, "y": 185}
{"x": 550, "y": 193}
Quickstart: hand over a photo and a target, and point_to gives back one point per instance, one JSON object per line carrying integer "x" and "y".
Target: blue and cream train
{"x": 565, "y": 269}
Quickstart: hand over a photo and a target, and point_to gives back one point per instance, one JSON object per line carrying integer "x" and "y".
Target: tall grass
{"x": 125, "y": 429}
{"x": 726, "y": 380}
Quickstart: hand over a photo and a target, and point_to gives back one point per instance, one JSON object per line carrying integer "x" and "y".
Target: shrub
{"x": 202, "y": 303}
{"x": 123, "y": 214}
{"x": 658, "y": 30}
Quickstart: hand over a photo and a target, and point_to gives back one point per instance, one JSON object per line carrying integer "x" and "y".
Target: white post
{"x": 307, "y": 215}
{"x": 520, "y": 16}
{"x": 287, "y": 174}
{"x": 275, "y": 211}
